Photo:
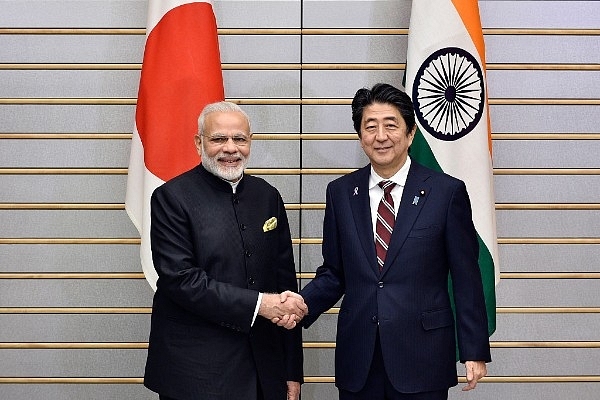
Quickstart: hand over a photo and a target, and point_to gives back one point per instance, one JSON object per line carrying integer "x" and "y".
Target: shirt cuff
{"x": 260, "y": 295}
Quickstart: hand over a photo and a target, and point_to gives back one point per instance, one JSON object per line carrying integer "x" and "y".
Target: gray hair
{"x": 221, "y": 106}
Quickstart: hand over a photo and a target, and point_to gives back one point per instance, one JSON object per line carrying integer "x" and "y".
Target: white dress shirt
{"x": 376, "y": 192}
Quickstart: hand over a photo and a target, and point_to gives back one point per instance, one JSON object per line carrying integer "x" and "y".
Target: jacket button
{"x": 374, "y": 319}
{"x": 248, "y": 253}
{"x": 380, "y": 284}
{"x": 251, "y": 281}
{"x": 242, "y": 227}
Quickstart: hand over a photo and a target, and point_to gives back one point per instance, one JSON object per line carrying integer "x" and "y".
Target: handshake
{"x": 285, "y": 309}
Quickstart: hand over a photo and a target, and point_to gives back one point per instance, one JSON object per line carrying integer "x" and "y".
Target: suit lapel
{"x": 361, "y": 212}
{"x": 414, "y": 197}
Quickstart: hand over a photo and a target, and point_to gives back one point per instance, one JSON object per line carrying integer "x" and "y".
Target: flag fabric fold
{"x": 445, "y": 77}
{"x": 181, "y": 73}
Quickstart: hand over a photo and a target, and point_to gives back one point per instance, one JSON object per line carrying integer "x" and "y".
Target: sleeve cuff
{"x": 256, "y": 309}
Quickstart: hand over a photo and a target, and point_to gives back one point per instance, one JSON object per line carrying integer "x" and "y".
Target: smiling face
{"x": 221, "y": 147}
{"x": 384, "y": 138}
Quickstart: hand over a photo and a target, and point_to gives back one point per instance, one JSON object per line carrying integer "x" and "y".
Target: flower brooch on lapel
{"x": 270, "y": 224}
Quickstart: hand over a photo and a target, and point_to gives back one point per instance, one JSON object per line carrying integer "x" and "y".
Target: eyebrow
{"x": 390, "y": 118}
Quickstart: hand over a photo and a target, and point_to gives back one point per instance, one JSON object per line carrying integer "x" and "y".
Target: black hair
{"x": 385, "y": 94}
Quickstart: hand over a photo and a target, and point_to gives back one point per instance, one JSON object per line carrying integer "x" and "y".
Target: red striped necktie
{"x": 385, "y": 222}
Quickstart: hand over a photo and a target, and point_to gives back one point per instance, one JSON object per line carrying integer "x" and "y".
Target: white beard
{"x": 231, "y": 174}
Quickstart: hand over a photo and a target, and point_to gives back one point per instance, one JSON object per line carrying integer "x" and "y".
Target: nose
{"x": 229, "y": 146}
{"x": 381, "y": 134}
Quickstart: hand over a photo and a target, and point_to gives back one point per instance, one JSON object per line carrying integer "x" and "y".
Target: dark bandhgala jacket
{"x": 408, "y": 302}
{"x": 214, "y": 252}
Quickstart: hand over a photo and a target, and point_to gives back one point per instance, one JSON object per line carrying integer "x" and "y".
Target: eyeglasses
{"x": 220, "y": 140}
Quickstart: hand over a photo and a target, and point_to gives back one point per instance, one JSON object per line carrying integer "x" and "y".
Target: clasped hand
{"x": 285, "y": 309}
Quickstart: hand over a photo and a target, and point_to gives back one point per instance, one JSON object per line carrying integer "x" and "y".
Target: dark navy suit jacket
{"x": 408, "y": 302}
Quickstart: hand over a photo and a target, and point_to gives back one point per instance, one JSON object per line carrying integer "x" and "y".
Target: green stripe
{"x": 421, "y": 152}
{"x": 488, "y": 277}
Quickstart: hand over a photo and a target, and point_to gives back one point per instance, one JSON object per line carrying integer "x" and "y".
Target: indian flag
{"x": 181, "y": 73}
{"x": 445, "y": 76}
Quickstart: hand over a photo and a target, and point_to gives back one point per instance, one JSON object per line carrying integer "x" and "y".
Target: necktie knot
{"x": 387, "y": 186}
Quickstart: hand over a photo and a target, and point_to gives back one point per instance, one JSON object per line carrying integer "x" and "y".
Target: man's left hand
{"x": 293, "y": 390}
{"x": 475, "y": 371}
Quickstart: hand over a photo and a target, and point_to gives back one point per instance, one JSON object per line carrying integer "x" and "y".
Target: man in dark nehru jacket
{"x": 222, "y": 248}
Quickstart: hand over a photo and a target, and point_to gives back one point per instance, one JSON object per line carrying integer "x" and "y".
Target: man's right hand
{"x": 285, "y": 309}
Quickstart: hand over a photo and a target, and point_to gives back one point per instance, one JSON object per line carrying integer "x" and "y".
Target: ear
{"x": 413, "y": 131}
{"x": 411, "y": 135}
{"x": 198, "y": 142}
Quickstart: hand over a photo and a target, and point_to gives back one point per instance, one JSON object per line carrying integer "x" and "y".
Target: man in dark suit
{"x": 222, "y": 248}
{"x": 396, "y": 330}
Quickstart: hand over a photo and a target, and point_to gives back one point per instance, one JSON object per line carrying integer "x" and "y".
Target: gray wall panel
{"x": 74, "y": 363}
{"x": 294, "y": 221}
{"x": 311, "y": 255}
{"x": 333, "y": 154}
{"x": 542, "y": 293}
{"x": 263, "y": 83}
{"x": 319, "y": 361}
{"x": 59, "y": 188}
{"x": 288, "y": 186}
{"x": 547, "y": 188}
{"x": 533, "y": 14}
{"x": 66, "y": 224}
{"x": 327, "y": 119}
{"x": 75, "y": 293}
{"x": 547, "y": 327}
{"x": 260, "y": 48}
{"x": 543, "y": 84}
{"x": 73, "y": 13}
{"x": 323, "y": 330}
{"x": 67, "y": 153}
{"x": 343, "y": 83}
{"x": 356, "y": 14}
{"x": 69, "y": 258}
{"x": 549, "y": 258}
{"x": 354, "y": 49}
{"x": 551, "y": 223}
{"x": 69, "y": 83}
{"x": 274, "y": 118}
{"x": 537, "y": 362}
{"x": 319, "y": 391}
{"x": 258, "y": 14}
{"x": 315, "y": 186}
{"x": 77, "y": 391}
{"x": 545, "y": 391}
{"x": 312, "y": 223}
{"x": 546, "y": 154}
{"x": 71, "y": 48}
{"x": 67, "y": 118}
{"x": 74, "y": 328}
{"x": 545, "y": 118}
{"x": 271, "y": 154}
{"x": 536, "y": 49}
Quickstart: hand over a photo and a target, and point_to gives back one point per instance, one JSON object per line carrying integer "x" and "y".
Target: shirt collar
{"x": 235, "y": 184}
{"x": 399, "y": 178}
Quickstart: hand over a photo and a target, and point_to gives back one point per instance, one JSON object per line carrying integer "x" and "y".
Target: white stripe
{"x": 381, "y": 242}
{"x": 473, "y": 165}
{"x": 384, "y": 223}
{"x": 158, "y": 8}
{"x": 140, "y": 185}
